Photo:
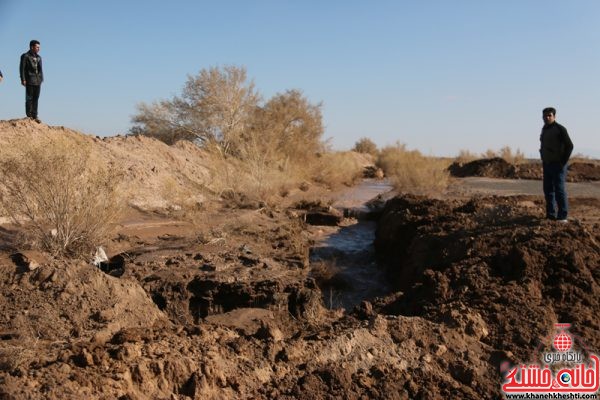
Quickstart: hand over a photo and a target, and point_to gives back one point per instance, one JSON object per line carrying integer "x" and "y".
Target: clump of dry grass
{"x": 323, "y": 271}
{"x": 367, "y": 146}
{"x": 65, "y": 201}
{"x": 336, "y": 169}
{"x": 255, "y": 179}
{"x": 516, "y": 157}
{"x": 465, "y": 156}
{"x": 412, "y": 172}
{"x": 328, "y": 275}
{"x": 506, "y": 153}
{"x": 242, "y": 182}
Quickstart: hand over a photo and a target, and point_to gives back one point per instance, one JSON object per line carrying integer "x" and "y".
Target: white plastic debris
{"x": 99, "y": 257}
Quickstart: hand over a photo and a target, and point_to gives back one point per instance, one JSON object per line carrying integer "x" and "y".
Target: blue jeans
{"x": 555, "y": 191}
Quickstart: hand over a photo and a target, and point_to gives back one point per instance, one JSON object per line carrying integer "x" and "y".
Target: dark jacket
{"x": 30, "y": 69}
{"x": 2, "y": 76}
{"x": 556, "y": 145}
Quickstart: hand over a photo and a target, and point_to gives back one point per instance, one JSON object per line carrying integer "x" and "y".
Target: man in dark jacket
{"x": 1, "y": 76}
{"x": 32, "y": 77}
{"x": 555, "y": 150}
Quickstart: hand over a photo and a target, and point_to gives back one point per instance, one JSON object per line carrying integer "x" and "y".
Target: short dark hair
{"x": 549, "y": 110}
{"x": 33, "y": 43}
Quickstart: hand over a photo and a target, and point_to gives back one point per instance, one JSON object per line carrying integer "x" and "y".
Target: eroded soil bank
{"x": 227, "y": 308}
{"x": 578, "y": 171}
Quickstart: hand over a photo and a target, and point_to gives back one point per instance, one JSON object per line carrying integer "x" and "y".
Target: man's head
{"x": 34, "y": 46}
{"x": 549, "y": 115}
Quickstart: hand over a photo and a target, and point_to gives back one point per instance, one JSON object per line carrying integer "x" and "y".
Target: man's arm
{"x": 41, "y": 71}
{"x": 22, "y": 69}
{"x": 568, "y": 145}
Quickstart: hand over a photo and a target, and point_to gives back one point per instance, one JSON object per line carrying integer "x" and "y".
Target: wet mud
{"x": 428, "y": 300}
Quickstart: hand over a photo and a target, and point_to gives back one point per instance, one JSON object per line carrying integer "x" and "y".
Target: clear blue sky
{"x": 437, "y": 75}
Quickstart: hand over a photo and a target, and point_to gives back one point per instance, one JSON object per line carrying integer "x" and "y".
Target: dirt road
{"x": 490, "y": 186}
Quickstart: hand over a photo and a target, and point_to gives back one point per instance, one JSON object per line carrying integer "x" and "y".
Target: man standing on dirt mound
{"x": 32, "y": 77}
{"x": 1, "y": 76}
{"x": 556, "y": 148}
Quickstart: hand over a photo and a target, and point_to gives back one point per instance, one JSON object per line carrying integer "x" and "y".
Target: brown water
{"x": 349, "y": 250}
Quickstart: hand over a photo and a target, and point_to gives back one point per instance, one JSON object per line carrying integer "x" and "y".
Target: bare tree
{"x": 160, "y": 120}
{"x": 215, "y": 107}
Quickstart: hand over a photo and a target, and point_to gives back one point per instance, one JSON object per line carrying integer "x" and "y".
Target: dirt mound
{"x": 577, "y": 171}
{"x": 159, "y": 177}
{"x": 60, "y": 301}
{"x": 489, "y": 167}
{"x": 583, "y": 172}
{"x": 56, "y": 316}
{"x": 499, "y": 168}
{"x": 492, "y": 267}
{"x": 531, "y": 171}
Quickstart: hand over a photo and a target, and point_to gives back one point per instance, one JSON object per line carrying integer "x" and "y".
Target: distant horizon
{"x": 478, "y": 154}
{"x": 440, "y": 76}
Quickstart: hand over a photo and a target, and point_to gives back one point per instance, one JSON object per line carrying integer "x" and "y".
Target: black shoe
{"x": 551, "y": 217}
{"x": 39, "y": 121}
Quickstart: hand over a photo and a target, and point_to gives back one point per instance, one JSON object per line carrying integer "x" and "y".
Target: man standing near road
{"x": 555, "y": 150}
{"x": 32, "y": 77}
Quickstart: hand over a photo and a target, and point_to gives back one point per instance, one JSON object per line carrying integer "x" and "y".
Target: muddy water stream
{"x": 345, "y": 254}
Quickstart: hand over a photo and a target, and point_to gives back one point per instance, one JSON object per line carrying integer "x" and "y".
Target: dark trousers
{"x": 32, "y": 94}
{"x": 555, "y": 192}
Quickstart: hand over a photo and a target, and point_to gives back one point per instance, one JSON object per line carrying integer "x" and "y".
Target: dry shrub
{"x": 411, "y": 172}
{"x": 336, "y": 169}
{"x": 327, "y": 274}
{"x": 272, "y": 156}
{"x": 465, "y": 156}
{"x": 65, "y": 200}
{"x": 506, "y": 153}
{"x": 287, "y": 130}
{"x": 489, "y": 153}
{"x": 239, "y": 185}
{"x": 245, "y": 182}
{"x": 180, "y": 198}
{"x": 256, "y": 179}
{"x": 366, "y": 145}
{"x": 511, "y": 157}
